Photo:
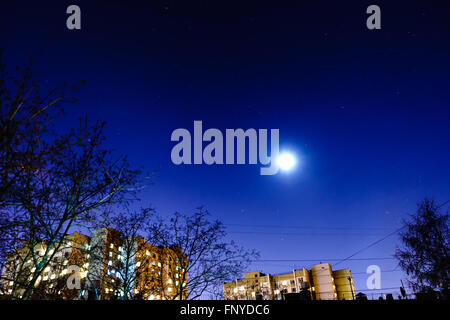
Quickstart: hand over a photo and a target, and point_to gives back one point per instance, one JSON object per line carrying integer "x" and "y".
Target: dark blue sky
{"x": 366, "y": 112}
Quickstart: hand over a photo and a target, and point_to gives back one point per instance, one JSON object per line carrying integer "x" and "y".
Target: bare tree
{"x": 424, "y": 254}
{"x": 202, "y": 258}
{"x": 27, "y": 138}
{"x": 26, "y": 118}
{"x": 123, "y": 269}
{"x": 53, "y": 182}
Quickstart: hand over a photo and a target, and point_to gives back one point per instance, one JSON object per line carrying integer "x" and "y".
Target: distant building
{"x": 320, "y": 283}
{"x": 361, "y": 296}
{"x": 102, "y": 259}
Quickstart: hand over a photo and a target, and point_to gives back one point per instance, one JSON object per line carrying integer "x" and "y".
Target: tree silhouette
{"x": 49, "y": 182}
{"x": 424, "y": 254}
{"x": 202, "y": 256}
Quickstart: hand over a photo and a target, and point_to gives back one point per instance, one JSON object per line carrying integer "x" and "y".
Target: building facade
{"x": 319, "y": 283}
{"x": 106, "y": 265}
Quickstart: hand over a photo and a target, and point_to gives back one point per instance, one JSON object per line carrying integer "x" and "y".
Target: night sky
{"x": 366, "y": 112}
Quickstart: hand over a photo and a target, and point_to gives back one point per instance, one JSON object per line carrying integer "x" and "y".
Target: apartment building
{"x": 320, "y": 283}
{"x": 123, "y": 266}
{"x": 103, "y": 266}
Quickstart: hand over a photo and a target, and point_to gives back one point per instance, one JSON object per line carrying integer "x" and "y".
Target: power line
{"x": 287, "y": 260}
{"x": 365, "y": 290}
{"x": 301, "y": 233}
{"x": 382, "y": 271}
{"x": 443, "y": 204}
{"x": 380, "y": 240}
{"x": 353, "y": 273}
{"x": 370, "y": 245}
{"x": 304, "y": 227}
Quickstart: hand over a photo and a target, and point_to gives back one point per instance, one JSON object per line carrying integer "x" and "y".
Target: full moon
{"x": 286, "y": 161}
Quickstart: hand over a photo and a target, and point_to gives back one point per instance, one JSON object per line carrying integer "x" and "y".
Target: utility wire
{"x": 302, "y": 233}
{"x": 380, "y": 240}
{"x": 303, "y": 227}
{"x": 369, "y": 246}
{"x": 287, "y": 260}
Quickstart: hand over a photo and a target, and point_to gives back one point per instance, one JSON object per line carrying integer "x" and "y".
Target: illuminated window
{"x": 111, "y": 246}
